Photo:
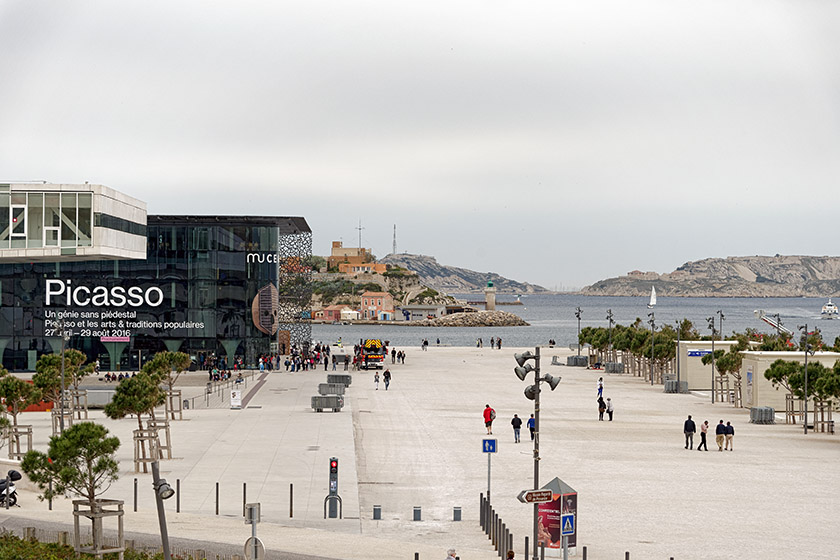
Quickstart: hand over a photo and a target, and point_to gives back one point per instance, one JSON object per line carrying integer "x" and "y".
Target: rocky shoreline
{"x": 477, "y": 319}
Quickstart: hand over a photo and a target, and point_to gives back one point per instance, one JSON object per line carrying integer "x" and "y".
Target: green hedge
{"x": 15, "y": 548}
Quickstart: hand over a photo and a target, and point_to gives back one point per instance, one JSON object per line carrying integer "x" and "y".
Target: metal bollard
{"x": 217, "y": 498}
{"x": 291, "y": 500}
{"x": 50, "y": 500}
{"x": 377, "y": 512}
{"x": 542, "y": 551}
{"x": 244, "y": 499}
{"x": 177, "y": 495}
{"x": 417, "y": 516}
{"x": 584, "y": 553}
{"x": 481, "y": 510}
{"x": 526, "y": 548}
{"x": 627, "y": 555}
{"x": 135, "y": 494}
{"x": 456, "y": 514}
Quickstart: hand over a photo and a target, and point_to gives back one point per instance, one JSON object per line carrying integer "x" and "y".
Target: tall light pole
{"x": 64, "y": 338}
{"x": 533, "y": 392}
{"x": 162, "y": 492}
{"x": 611, "y": 322}
{"x": 720, "y": 312}
{"x": 711, "y": 321}
{"x": 807, "y": 347}
{"x": 652, "y": 322}
{"x": 679, "y": 328}
{"x": 578, "y": 311}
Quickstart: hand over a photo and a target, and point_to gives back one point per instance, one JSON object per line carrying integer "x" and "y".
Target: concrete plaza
{"x": 419, "y": 444}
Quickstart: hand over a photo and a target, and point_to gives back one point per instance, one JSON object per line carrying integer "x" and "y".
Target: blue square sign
{"x": 488, "y": 445}
{"x": 567, "y": 524}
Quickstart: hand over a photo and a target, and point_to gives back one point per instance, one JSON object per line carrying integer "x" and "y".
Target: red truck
{"x": 372, "y": 354}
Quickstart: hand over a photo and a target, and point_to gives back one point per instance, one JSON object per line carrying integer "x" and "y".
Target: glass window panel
{"x": 52, "y": 210}
{"x": 51, "y": 237}
{"x": 36, "y": 220}
{"x": 4, "y": 220}
{"x": 85, "y": 220}
{"x": 68, "y": 220}
{"x": 19, "y": 198}
{"x": 19, "y": 222}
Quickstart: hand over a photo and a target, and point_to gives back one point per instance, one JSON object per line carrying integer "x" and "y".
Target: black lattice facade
{"x": 220, "y": 288}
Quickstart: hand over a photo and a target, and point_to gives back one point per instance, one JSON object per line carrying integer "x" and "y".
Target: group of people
{"x": 602, "y": 405}
{"x": 109, "y": 377}
{"x": 397, "y": 357}
{"x": 386, "y": 378}
{"x": 489, "y": 415}
{"x": 724, "y": 435}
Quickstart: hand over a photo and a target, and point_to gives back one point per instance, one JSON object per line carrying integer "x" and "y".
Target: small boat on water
{"x": 829, "y": 310}
{"x": 652, "y": 302}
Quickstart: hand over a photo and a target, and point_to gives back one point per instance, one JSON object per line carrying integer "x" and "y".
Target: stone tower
{"x": 490, "y": 297}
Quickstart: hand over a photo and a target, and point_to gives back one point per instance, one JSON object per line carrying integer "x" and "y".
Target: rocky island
{"x": 758, "y": 276}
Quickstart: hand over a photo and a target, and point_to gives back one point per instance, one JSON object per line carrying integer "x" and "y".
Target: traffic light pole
{"x": 536, "y": 447}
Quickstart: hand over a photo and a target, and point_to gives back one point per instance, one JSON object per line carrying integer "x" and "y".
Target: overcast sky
{"x": 555, "y": 142}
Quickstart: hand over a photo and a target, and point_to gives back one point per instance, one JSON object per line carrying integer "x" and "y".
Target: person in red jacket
{"x": 489, "y": 416}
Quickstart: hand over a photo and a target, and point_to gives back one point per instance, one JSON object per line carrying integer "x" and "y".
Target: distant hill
{"x": 451, "y": 279}
{"x": 779, "y": 276}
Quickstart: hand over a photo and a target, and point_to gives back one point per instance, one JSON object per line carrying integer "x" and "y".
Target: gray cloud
{"x": 554, "y": 142}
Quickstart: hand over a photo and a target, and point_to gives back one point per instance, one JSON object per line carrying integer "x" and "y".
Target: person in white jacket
{"x": 610, "y": 408}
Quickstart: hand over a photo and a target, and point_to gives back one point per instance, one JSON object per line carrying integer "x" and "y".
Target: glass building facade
{"x": 210, "y": 286}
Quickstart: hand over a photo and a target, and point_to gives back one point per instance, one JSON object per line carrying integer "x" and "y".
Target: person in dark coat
{"x": 720, "y": 432}
{"x": 730, "y": 435}
{"x": 602, "y": 407}
{"x": 517, "y": 425}
{"x": 689, "y": 429}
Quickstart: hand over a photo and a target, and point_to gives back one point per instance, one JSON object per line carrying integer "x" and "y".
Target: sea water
{"x": 552, "y": 316}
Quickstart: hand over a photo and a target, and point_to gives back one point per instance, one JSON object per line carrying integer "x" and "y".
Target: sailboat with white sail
{"x": 652, "y": 302}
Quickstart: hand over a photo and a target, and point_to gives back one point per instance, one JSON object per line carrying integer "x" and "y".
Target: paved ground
{"x": 418, "y": 444}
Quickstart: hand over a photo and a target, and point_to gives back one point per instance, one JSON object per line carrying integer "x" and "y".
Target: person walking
{"x": 376, "y": 380}
{"x": 450, "y": 554}
{"x": 511, "y": 555}
{"x": 720, "y": 432}
{"x": 531, "y": 426}
{"x": 499, "y": 343}
{"x": 704, "y": 427}
{"x": 602, "y": 407}
{"x": 610, "y": 408}
{"x": 689, "y": 428}
{"x": 386, "y": 378}
{"x": 489, "y": 416}
{"x": 393, "y": 355}
{"x": 600, "y": 386}
{"x": 516, "y": 422}
{"x": 730, "y": 434}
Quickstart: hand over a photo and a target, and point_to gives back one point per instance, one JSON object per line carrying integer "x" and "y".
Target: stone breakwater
{"x": 478, "y": 319}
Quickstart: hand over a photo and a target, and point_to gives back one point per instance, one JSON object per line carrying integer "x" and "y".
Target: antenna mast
{"x": 394, "y": 250}
{"x": 360, "y": 228}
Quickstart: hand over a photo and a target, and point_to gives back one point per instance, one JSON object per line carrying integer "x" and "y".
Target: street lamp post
{"x": 679, "y": 327}
{"x": 720, "y": 312}
{"x": 64, "y": 338}
{"x": 711, "y": 321}
{"x": 533, "y": 392}
{"x": 610, "y": 319}
{"x": 162, "y": 492}
{"x": 652, "y": 322}
{"x": 807, "y": 348}
{"x": 578, "y": 311}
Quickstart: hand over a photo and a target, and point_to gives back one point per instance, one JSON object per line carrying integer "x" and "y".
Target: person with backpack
{"x": 489, "y": 416}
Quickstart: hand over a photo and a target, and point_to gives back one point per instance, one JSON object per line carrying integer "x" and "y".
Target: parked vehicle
{"x": 8, "y": 492}
{"x": 372, "y": 354}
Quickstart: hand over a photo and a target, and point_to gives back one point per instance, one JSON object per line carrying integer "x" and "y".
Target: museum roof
{"x": 286, "y": 224}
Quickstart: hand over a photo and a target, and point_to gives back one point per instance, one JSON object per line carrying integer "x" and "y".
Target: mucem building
{"x": 85, "y": 265}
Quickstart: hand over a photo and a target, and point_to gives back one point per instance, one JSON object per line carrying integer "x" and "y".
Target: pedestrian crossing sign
{"x": 567, "y": 524}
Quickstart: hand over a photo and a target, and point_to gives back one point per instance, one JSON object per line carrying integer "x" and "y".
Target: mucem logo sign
{"x": 63, "y": 292}
{"x": 272, "y": 258}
